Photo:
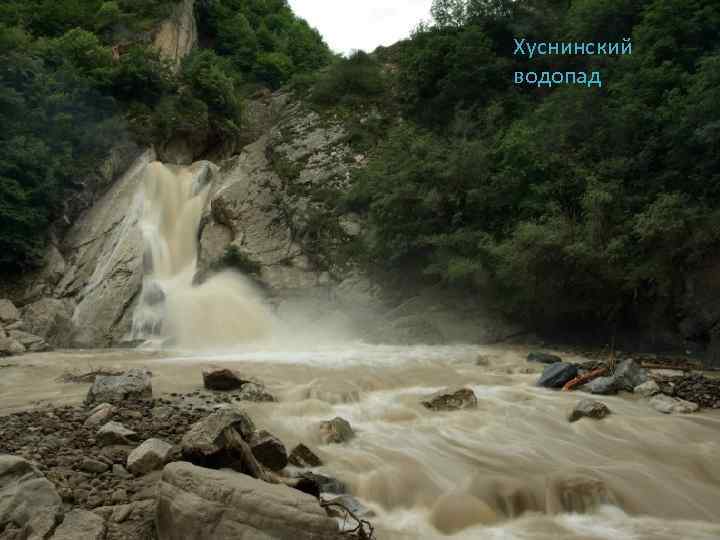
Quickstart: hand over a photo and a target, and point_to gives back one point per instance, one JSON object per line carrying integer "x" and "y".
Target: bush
{"x": 357, "y": 78}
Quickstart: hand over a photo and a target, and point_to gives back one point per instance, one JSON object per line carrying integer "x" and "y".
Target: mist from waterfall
{"x": 224, "y": 311}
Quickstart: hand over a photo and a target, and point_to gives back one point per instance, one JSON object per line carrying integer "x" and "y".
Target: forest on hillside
{"x": 569, "y": 206}
{"x": 572, "y": 206}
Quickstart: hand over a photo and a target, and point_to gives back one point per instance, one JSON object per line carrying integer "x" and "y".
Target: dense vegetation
{"x": 65, "y": 100}
{"x": 574, "y": 205}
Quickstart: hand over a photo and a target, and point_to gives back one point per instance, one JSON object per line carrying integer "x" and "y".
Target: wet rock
{"x": 254, "y": 392}
{"x": 670, "y": 405}
{"x": 28, "y": 501}
{"x": 81, "y": 524}
{"x": 133, "y": 385}
{"x": 647, "y": 389}
{"x": 194, "y": 500}
{"x": 100, "y": 414}
{"x": 8, "y": 311}
{"x": 268, "y": 450}
{"x": 114, "y": 433}
{"x": 205, "y": 445}
{"x": 589, "y": 408}
{"x": 93, "y": 466}
{"x": 629, "y": 374}
{"x": 602, "y": 386}
{"x": 302, "y": 456}
{"x": 317, "y": 484}
{"x": 543, "y": 358}
{"x": 451, "y": 400}
{"x": 557, "y": 375}
{"x": 222, "y": 379}
{"x": 336, "y": 431}
{"x": 575, "y": 493}
{"x": 150, "y": 456}
{"x": 50, "y": 319}
{"x": 153, "y": 293}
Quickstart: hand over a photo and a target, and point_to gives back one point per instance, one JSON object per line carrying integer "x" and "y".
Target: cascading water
{"x": 223, "y": 311}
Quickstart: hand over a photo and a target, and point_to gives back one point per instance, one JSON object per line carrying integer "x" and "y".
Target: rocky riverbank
{"x": 127, "y": 465}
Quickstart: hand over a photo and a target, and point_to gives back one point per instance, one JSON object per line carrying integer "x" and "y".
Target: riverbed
{"x": 514, "y": 468}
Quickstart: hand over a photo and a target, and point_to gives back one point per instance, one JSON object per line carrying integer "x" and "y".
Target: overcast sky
{"x": 362, "y": 24}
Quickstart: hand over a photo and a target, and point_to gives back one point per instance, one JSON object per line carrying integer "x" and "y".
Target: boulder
{"x": 100, "y": 414}
{"x": 31, "y": 342}
{"x": 115, "y": 433}
{"x": 589, "y": 408}
{"x": 337, "y": 430}
{"x": 602, "y": 385}
{"x": 10, "y": 347}
{"x": 51, "y": 320}
{"x": 204, "y": 444}
{"x": 647, "y": 389}
{"x": 134, "y": 384}
{"x": 95, "y": 466}
{"x": 629, "y": 374}
{"x": 150, "y": 456}
{"x": 557, "y": 375}
{"x": 28, "y": 501}
{"x": 670, "y": 405}
{"x": 222, "y": 379}
{"x": 255, "y": 392}
{"x": 8, "y": 311}
{"x": 543, "y": 358}
{"x": 451, "y": 400}
{"x": 302, "y": 456}
{"x": 81, "y": 524}
{"x": 195, "y": 502}
{"x": 268, "y": 450}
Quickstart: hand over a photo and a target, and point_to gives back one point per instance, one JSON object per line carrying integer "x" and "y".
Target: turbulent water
{"x": 512, "y": 469}
{"x": 223, "y": 311}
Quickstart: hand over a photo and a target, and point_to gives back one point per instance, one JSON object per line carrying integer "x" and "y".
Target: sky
{"x": 362, "y": 24}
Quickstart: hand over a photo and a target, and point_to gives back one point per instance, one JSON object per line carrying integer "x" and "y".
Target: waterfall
{"x": 222, "y": 312}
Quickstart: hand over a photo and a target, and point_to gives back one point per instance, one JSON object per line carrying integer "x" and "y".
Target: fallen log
{"x": 582, "y": 379}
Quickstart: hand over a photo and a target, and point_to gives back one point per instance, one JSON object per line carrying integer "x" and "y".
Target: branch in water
{"x": 363, "y": 530}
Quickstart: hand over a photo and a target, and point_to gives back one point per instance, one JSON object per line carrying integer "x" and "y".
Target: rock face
{"x": 451, "y": 400}
{"x": 268, "y": 450}
{"x": 28, "y": 501}
{"x": 134, "y": 384}
{"x": 222, "y": 379}
{"x": 557, "y": 375}
{"x": 589, "y": 408}
{"x": 670, "y": 405}
{"x": 194, "y": 502}
{"x": 337, "y": 430}
{"x": 150, "y": 456}
{"x": 177, "y": 36}
{"x": 204, "y": 444}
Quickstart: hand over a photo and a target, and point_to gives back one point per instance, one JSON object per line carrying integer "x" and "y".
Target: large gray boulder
{"x": 29, "y": 341}
{"x": 10, "y": 347}
{"x": 150, "y": 456}
{"x": 589, "y": 408}
{"x": 28, "y": 501}
{"x": 628, "y": 376}
{"x": 557, "y": 375}
{"x": 194, "y": 502}
{"x": 670, "y": 405}
{"x": 134, "y": 384}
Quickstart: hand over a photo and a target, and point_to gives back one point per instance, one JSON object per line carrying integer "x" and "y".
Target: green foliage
{"x": 572, "y": 205}
{"x": 237, "y": 260}
{"x": 263, "y": 39}
{"x": 357, "y": 78}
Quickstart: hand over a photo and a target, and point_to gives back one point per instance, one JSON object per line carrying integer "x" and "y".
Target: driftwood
{"x": 363, "y": 529}
{"x": 582, "y": 379}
